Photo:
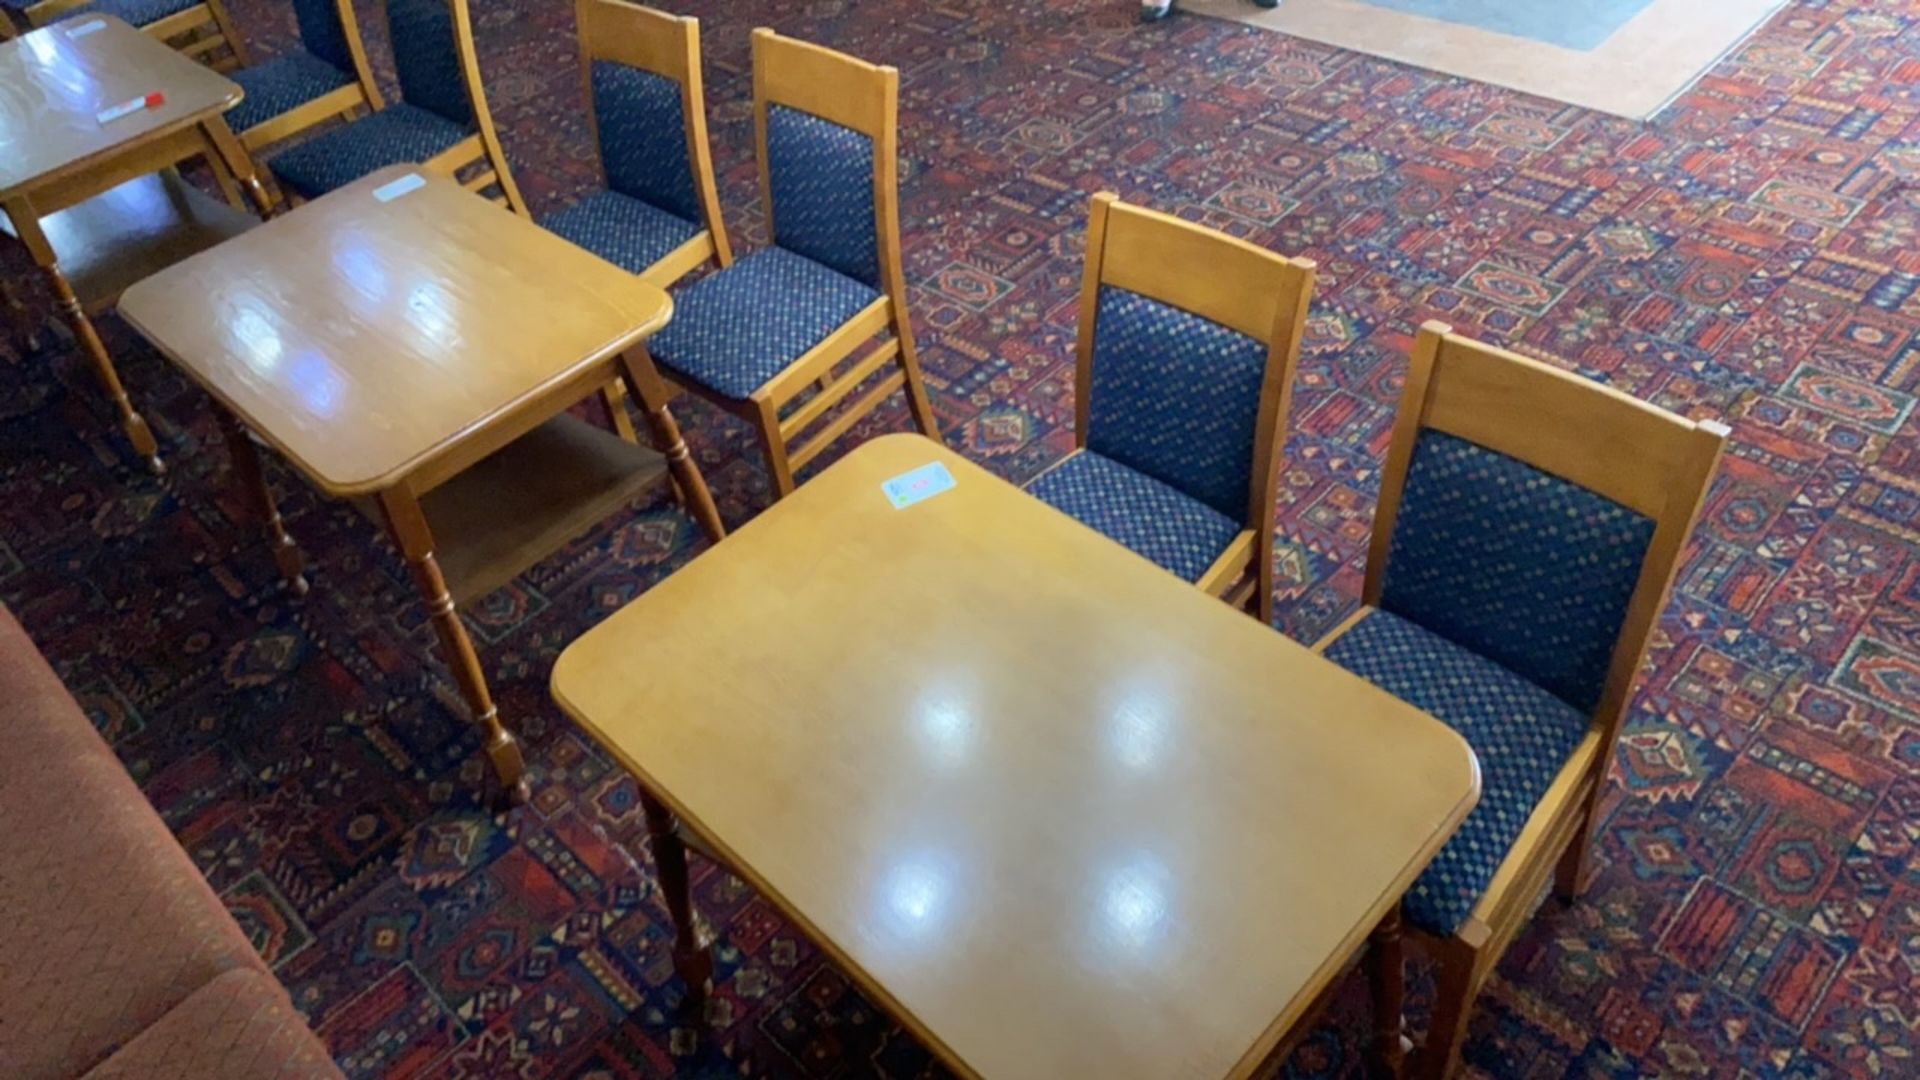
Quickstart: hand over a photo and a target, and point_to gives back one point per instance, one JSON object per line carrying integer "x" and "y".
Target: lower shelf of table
{"x": 134, "y": 231}
{"x": 496, "y": 520}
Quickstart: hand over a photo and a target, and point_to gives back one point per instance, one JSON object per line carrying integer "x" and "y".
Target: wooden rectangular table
{"x": 95, "y": 201}
{"x": 409, "y": 342}
{"x": 1060, "y": 812}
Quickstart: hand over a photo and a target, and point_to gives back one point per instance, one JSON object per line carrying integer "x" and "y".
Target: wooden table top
{"x": 364, "y": 338}
{"x": 1061, "y": 811}
{"x": 54, "y": 83}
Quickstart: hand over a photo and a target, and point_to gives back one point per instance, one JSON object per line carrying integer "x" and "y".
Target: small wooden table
{"x": 1059, "y": 811}
{"x": 400, "y": 335}
{"x": 77, "y": 191}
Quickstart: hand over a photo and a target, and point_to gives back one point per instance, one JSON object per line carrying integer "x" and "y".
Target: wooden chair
{"x": 201, "y": 29}
{"x": 1529, "y": 528}
{"x": 659, "y": 214}
{"x": 756, "y": 337}
{"x": 327, "y": 77}
{"x": 1188, "y": 341}
{"x": 441, "y": 120}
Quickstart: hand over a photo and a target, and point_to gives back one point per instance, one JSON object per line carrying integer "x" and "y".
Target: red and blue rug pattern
{"x": 1750, "y": 255}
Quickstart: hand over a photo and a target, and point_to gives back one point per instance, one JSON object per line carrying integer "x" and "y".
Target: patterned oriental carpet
{"x": 1747, "y": 255}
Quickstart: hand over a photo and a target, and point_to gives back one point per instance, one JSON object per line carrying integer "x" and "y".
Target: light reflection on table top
{"x": 53, "y": 86}
{"x": 1065, "y": 813}
{"x": 363, "y": 337}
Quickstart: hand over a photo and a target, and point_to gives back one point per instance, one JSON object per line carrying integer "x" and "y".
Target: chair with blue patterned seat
{"x": 659, "y": 214}
{"x": 201, "y": 29}
{"x": 441, "y": 120}
{"x": 326, "y": 77}
{"x": 1187, "y": 345}
{"x": 1529, "y": 528}
{"x": 772, "y": 330}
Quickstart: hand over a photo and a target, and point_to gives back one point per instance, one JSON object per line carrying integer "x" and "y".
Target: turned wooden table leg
{"x": 646, "y": 386}
{"x": 692, "y": 958}
{"x": 131, "y": 422}
{"x": 1386, "y": 979}
{"x": 26, "y": 226}
{"x": 253, "y": 481}
{"x": 408, "y": 527}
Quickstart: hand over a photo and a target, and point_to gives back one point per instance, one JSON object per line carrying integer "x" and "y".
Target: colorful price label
{"x": 128, "y": 108}
{"x": 919, "y": 485}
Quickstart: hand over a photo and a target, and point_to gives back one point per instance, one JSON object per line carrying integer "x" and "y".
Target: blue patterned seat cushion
{"x": 1177, "y": 397}
{"x": 821, "y": 178}
{"x": 621, "y": 229}
{"x": 1513, "y": 563}
{"x": 281, "y": 85}
{"x": 1521, "y": 733}
{"x": 133, "y": 12}
{"x": 734, "y": 330}
{"x": 1162, "y": 523}
{"x": 398, "y": 133}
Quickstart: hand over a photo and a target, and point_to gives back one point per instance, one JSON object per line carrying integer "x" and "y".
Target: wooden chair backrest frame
{"x": 477, "y": 98}
{"x": 667, "y": 46}
{"x": 846, "y": 91}
{"x": 357, "y": 46}
{"x": 1635, "y": 454}
{"x": 1220, "y": 278}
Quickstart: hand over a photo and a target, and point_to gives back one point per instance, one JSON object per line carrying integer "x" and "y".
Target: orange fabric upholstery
{"x": 106, "y": 926}
{"x": 237, "y": 1027}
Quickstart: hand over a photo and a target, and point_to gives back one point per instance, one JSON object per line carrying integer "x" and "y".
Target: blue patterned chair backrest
{"x": 321, "y": 32}
{"x": 1518, "y": 565}
{"x": 822, "y": 180}
{"x": 1177, "y": 397}
{"x": 427, "y": 58}
{"x": 643, "y": 137}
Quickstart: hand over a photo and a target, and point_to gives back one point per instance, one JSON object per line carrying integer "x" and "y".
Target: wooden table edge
{"x": 1276, "y": 1032}
{"x": 607, "y": 356}
{"x": 733, "y": 864}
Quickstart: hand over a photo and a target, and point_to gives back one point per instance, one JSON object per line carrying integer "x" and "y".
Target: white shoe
{"x": 1154, "y": 10}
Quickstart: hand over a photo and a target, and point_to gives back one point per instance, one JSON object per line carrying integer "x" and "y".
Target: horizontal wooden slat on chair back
{"x": 1217, "y": 277}
{"x": 1599, "y": 438}
{"x": 831, "y": 85}
{"x": 637, "y": 37}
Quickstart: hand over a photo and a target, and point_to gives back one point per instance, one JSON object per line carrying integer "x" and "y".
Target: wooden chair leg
{"x": 1453, "y": 992}
{"x": 1263, "y": 578}
{"x": 650, "y": 390}
{"x": 779, "y": 470}
{"x": 614, "y": 396}
{"x": 1386, "y": 981}
{"x": 923, "y": 416}
{"x": 224, "y": 23}
{"x": 1570, "y": 873}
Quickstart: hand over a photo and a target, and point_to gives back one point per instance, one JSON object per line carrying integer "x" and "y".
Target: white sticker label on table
{"x": 91, "y": 26}
{"x": 128, "y": 108}
{"x": 919, "y": 485}
{"x": 393, "y": 189}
